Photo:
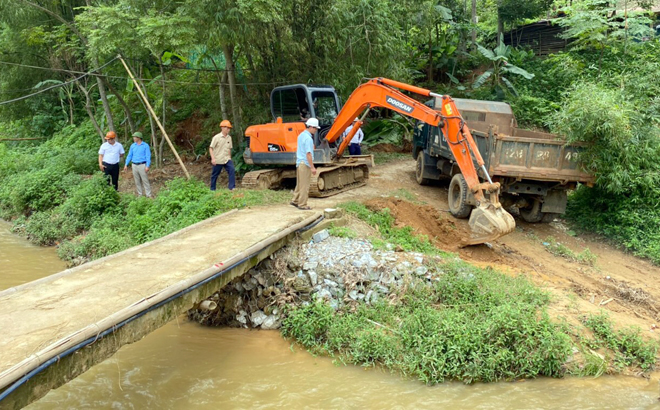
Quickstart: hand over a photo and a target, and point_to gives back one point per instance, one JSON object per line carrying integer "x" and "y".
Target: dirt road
{"x": 627, "y": 287}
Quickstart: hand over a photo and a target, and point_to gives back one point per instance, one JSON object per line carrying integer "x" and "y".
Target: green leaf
{"x": 482, "y": 79}
{"x": 453, "y": 79}
{"x": 486, "y": 52}
{"x": 510, "y": 85}
{"x": 510, "y": 68}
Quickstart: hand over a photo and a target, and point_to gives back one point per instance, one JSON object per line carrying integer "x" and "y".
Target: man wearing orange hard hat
{"x": 220, "y": 151}
{"x": 110, "y": 154}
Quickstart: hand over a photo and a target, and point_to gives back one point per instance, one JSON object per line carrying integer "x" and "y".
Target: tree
{"x": 499, "y": 58}
{"x": 511, "y": 11}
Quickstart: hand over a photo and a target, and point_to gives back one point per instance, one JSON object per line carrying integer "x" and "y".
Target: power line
{"x": 56, "y": 86}
{"x": 138, "y": 78}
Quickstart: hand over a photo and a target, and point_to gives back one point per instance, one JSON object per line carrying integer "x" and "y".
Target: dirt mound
{"x": 440, "y": 228}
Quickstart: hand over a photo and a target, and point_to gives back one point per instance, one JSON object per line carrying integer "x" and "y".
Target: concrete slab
{"x": 37, "y": 317}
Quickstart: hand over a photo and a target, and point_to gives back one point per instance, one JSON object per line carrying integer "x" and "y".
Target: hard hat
{"x": 137, "y": 134}
{"x": 110, "y": 135}
{"x": 356, "y": 119}
{"x": 225, "y": 123}
{"x": 312, "y": 122}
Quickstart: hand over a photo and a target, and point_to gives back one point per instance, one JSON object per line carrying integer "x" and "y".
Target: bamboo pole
{"x": 153, "y": 114}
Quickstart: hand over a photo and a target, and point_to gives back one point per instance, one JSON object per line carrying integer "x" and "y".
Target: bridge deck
{"x": 38, "y": 318}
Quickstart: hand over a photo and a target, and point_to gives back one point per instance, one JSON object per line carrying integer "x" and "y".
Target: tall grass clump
{"x": 472, "y": 325}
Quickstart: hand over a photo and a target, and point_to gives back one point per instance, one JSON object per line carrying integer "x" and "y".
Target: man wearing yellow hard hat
{"x": 220, "y": 151}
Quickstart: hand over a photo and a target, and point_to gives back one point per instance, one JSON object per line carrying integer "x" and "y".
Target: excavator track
{"x": 332, "y": 180}
{"x": 263, "y": 179}
{"x": 328, "y": 181}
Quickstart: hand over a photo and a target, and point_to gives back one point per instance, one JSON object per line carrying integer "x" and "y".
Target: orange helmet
{"x": 225, "y": 123}
{"x": 110, "y": 135}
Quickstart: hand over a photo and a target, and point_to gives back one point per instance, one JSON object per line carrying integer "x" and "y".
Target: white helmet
{"x": 356, "y": 119}
{"x": 313, "y": 122}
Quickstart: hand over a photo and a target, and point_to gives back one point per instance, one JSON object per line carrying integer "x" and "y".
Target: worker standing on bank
{"x": 110, "y": 154}
{"x": 355, "y": 147}
{"x": 305, "y": 164}
{"x": 140, "y": 155}
{"x": 220, "y": 151}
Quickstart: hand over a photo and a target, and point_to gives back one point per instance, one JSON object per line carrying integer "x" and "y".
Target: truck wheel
{"x": 419, "y": 169}
{"x": 532, "y": 214}
{"x": 458, "y": 192}
{"x": 549, "y": 217}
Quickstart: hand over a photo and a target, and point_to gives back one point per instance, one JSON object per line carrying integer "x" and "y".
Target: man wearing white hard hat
{"x": 355, "y": 147}
{"x": 305, "y": 164}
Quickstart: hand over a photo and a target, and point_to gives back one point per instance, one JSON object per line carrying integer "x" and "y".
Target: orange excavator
{"x": 274, "y": 144}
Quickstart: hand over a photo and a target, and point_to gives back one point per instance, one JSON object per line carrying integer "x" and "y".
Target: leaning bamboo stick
{"x": 153, "y": 114}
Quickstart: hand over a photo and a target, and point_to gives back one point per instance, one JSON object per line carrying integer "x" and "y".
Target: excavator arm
{"x": 488, "y": 220}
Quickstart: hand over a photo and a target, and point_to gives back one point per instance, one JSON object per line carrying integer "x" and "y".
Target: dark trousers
{"x": 230, "y": 170}
{"x": 354, "y": 149}
{"x": 112, "y": 170}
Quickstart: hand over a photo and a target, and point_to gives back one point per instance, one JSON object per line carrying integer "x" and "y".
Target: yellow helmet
{"x": 225, "y": 123}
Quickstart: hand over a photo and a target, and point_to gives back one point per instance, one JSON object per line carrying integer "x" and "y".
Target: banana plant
{"x": 499, "y": 58}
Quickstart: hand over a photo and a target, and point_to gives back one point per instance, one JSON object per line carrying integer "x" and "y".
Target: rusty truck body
{"x": 535, "y": 169}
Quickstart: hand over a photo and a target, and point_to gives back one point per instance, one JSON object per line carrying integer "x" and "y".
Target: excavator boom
{"x": 488, "y": 220}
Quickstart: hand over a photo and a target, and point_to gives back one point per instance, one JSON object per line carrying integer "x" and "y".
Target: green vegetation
{"x": 472, "y": 325}
{"x": 627, "y": 344}
{"x": 48, "y": 189}
{"x": 383, "y": 222}
{"x": 381, "y": 158}
{"x": 342, "y": 232}
{"x": 585, "y": 257}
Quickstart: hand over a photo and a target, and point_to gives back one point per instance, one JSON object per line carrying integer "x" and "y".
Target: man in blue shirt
{"x": 304, "y": 164}
{"x": 140, "y": 155}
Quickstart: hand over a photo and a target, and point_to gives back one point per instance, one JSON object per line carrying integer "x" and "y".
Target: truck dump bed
{"x": 516, "y": 153}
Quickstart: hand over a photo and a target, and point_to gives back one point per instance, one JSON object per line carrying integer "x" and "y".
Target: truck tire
{"x": 532, "y": 214}
{"x": 457, "y": 198}
{"x": 419, "y": 169}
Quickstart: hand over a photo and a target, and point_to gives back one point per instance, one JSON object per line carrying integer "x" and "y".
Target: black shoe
{"x": 293, "y": 204}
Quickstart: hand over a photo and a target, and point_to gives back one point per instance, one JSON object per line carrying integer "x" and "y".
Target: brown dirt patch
{"x": 188, "y": 133}
{"x": 386, "y": 147}
{"x": 441, "y": 229}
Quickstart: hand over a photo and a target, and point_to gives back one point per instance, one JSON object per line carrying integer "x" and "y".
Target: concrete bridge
{"x": 56, "y": 328}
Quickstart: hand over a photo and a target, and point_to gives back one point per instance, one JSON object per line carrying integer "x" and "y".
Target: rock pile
{"x": 343, "y": 272}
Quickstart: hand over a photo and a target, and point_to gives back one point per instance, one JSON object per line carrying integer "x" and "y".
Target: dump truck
{"x": 535, "y": 169}
{"x": 275, "y": 144}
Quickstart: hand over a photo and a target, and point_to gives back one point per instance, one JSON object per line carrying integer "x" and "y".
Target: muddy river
{"x": 186, "y": 366}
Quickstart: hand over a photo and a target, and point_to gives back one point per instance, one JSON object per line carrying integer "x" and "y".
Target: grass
{"x": 629, "y": 348}
{"x": 383, "y": 222}
{"x": 381, "y": 158}
{"x": 472, "y": 325}
{"x": 586, "y": 257}
{"x": 342, "y": 232}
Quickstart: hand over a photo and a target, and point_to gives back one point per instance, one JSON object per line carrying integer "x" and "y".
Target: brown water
{"x": 21, "y": 261}
{"x": 186, "y": 366}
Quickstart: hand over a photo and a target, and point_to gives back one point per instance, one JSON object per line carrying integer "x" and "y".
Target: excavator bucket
{"x": 488, "y": 222}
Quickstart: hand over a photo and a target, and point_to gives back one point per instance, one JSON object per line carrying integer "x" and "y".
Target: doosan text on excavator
{"x": 274, "y": 144}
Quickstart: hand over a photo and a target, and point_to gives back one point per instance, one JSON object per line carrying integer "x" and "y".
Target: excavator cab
{"x": 299, "y": 102}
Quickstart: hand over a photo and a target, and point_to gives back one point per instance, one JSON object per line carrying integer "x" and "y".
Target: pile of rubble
{"x": 344, "y": 272}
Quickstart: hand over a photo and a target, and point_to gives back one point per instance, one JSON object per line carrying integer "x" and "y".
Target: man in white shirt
{"x": 110, "y": 154}
{"x": 356, "y": 142}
